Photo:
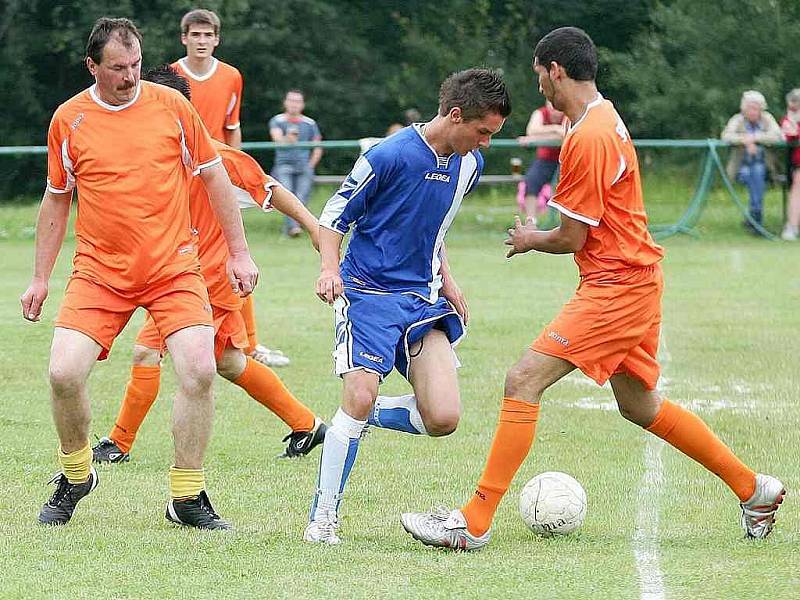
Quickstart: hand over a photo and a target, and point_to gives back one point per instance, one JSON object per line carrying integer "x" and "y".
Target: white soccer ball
{"x": 553, "y": 503}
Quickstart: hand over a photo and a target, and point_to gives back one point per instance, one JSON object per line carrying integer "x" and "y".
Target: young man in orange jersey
{"x": 216, "y": 89}
{"x": 254, "y": 188}
{"x": 131, "y": 148}
{"x": 610, "y": 328}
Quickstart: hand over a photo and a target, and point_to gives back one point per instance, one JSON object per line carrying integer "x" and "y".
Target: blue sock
{"x": 399, "y": 413}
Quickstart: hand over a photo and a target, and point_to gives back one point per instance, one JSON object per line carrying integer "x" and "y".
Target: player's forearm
{"x": 553, "y": 241}
{"x": 220, "y": 194}
{"x": 330, "y": 244}
{"x": 316, "y": 155}
{"x": 288, "y": 204}
{"x": 233, "y": 137}
{"x": 51, "y": 226}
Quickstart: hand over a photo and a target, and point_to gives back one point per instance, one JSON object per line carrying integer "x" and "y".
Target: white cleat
{"x": 443, "y": 529}
{"x": 758, "y": 513}
{"x": 271, "y": 358}
{"x": 322, "y": 530}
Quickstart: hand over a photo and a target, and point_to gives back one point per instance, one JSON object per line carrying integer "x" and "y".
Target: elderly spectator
{"x": 749, "y": 132}
{"x": 791, "y": 133}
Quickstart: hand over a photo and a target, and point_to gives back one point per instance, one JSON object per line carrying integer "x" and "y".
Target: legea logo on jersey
{"x": 372, "y": 357}
{"x": 76, "y": 122}
{"x": 559, "y": 338}
{"x": 437, "y": 177}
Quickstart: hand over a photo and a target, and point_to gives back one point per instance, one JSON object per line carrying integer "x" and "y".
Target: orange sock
{"x": 689, "y": 434}
{"x": 140, "y": 394}
{"x": 249, "y": 315}
{"x": 512, "y": 441}
{"x": 265, "y": 386}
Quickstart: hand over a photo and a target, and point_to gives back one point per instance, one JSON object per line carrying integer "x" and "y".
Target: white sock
{"x": 338, "y": 455}
{"x": 399, "y": 413}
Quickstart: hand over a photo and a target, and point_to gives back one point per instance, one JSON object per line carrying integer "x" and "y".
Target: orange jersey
{"x": 600, "y": 186}
{"x": 132, "y": 165}
{"x": 252, "y": 186}
{"x": 217, "y": 95}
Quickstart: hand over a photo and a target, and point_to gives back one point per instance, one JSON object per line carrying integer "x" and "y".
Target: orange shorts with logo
{"x": 101, "y": 312}
{"x": 611, "y": 325}
{"x": 229, "y": 331}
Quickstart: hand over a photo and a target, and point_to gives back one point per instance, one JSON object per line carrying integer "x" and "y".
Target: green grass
{"x": 731, "y": 330}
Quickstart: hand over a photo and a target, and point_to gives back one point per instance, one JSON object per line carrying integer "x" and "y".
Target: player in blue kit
{"x": 396, "y": 303}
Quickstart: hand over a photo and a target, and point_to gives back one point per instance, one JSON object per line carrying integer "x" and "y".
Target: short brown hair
{"x": 104, "y": 29}
{"x": 477, "y": 92}
{"x": 200, "y": 16}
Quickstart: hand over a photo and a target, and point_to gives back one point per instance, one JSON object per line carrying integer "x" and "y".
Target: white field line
{"x": 645, "y": 536}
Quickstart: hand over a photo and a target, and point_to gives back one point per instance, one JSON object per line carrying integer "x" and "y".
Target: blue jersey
{"x": 400, "y": 199}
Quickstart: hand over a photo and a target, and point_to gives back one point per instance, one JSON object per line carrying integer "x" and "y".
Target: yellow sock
{"x": 186, "y": 483}
{"x": 76, "y": 465}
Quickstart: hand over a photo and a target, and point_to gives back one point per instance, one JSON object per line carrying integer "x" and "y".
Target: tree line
{"x": 675, "y": 68}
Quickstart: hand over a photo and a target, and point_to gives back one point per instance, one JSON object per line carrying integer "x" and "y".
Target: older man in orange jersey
{"x": 131, "y": 149}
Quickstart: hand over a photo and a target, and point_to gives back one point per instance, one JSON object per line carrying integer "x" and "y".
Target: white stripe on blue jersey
{"x": 400, "y": 199}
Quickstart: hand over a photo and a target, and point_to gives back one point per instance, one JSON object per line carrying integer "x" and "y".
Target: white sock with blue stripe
{"x": 399, "y": 413}
{"x": 338, "y": 455}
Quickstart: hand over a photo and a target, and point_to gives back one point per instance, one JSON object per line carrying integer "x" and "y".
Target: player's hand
{"x": 453, "y": 294}
{"x": 33, "y": 299}
{"x": 242, "y": 273}
{"x": 329, "y": 285}
{"x": 518, "y": 236}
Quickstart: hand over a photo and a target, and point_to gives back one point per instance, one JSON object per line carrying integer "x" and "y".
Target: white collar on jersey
{"x": 596, "y": 102}
{"x": 185, "y": 66}
{"x": 115, "y": 108}
{"x": 442, "y": 162}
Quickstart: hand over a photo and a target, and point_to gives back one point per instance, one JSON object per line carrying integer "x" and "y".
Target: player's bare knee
{"x": 442, "y": 423}
{"x": 145, "y": 357}
{"x": 198, "y": 378}
{"x": 231, "y": 364}
{"x": 359, "y": 400}
{"x": 65, "y": 381}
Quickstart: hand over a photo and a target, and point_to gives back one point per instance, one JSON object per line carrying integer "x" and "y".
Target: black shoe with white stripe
{"x": 195, "y": 512}
{"x": 59, "y": 509}
{"x": 303, "y": 442}
{"x": 107, "y": 451}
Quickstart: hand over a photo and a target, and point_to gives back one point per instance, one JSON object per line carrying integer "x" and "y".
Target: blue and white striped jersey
{"x": 400, "y": 199}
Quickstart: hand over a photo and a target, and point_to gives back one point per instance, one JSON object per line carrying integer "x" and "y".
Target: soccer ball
{"x": 553, "y": 503}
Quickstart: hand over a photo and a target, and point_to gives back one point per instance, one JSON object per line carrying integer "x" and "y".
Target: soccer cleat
{"x": 270, "y": 358}
{"x": 443, "y": 529}
{"x": 196, "y": 512}
{"x": 323, "y": 529}
{"x": 107, "y": 451}
{"x": 303, "y": 442}
{"x": 59, "y": 509}
{"x": 758, "y": 513}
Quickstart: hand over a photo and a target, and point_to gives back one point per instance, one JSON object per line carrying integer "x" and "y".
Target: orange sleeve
{"x": 590, "y": 164}
{"x": 232, "y": 118}
{"x": 248, "y": 176}
{"x": 60, "y": 174}
{"x": 197, "y": 141}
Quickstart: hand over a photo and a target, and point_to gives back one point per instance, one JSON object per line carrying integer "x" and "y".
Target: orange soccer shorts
{"x": 229, "y": 331}
{"x": 101, "y": 312}
{"x": 611, "y": 325}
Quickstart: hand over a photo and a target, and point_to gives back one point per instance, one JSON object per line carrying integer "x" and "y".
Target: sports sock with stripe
{"x": 338, "y": 455}
{"x": 264, "y": 386}
{"x": 688, "y": 433}
{"x": 141, "y": 392}
{"x": 399, "y": 413}
{"x": 512, "y": 442}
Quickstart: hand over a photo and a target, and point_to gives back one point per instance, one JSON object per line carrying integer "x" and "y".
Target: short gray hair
{"x": 793, "y": 96}
{"x": 753, "y": 97}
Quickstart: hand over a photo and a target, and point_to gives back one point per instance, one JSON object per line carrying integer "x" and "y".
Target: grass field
{"x": 658, "y": 525}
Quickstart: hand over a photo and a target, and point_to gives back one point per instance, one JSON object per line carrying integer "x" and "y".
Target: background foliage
{"x": 675, "y": 68}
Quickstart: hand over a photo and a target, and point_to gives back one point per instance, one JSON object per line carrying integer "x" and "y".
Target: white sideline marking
{"x": 645, "y": 536}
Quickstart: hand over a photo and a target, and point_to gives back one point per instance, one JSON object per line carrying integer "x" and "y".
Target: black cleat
{"x": 303, "y": 442}
{"x": 107, "y": 451}
{"x": 196, "y": 512}
{"x": 59, "y": 509}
